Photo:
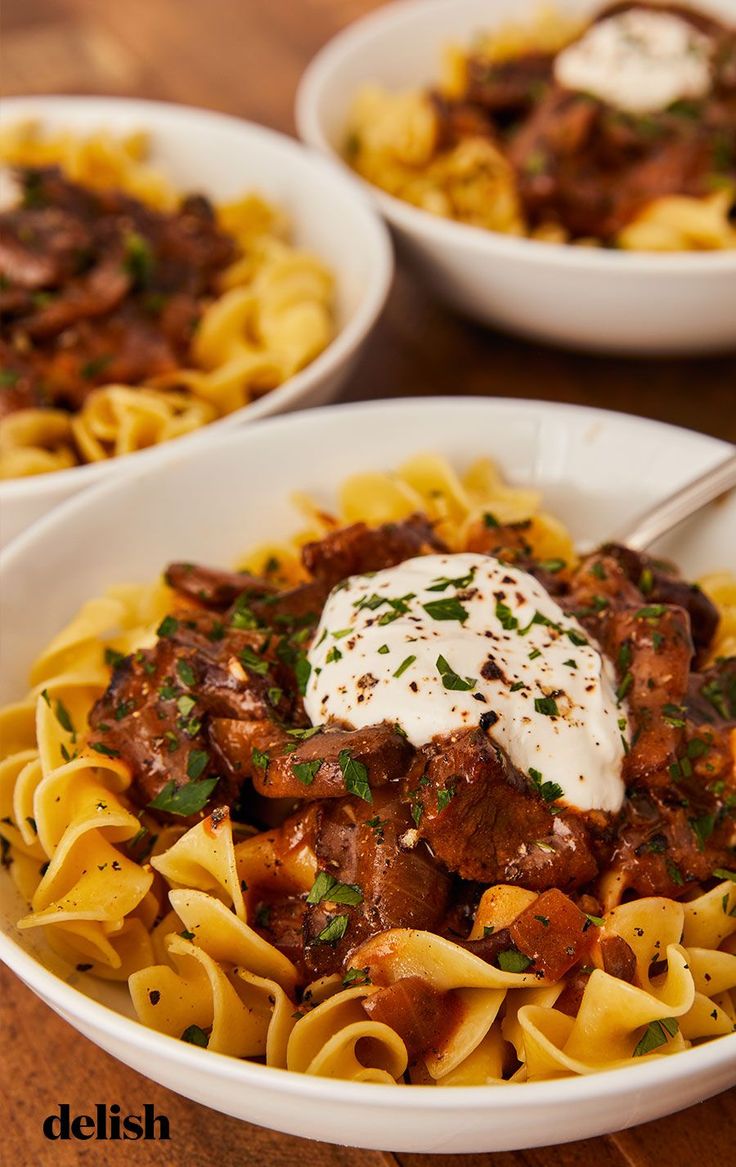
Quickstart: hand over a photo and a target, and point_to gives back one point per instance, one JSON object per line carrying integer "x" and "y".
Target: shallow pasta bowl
{"x": 595, "y": 469}
{"x": 224, "y": 157}
{"x": 628, "y": 302}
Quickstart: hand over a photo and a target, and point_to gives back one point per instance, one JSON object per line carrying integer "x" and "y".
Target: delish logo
{"x": 107, "y": 1124}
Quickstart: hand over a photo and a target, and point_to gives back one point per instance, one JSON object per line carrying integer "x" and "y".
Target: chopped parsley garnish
{"x": 243, "y": 616}
{"x": 97, "y": 365}
{"x": 703, "y": 828}
{"x": 260, "y": 759}
{"x": 513, "y": 961}
{"x": 575, "y": 637}
{"x": 197, "y": 763}
{"x": 384, "y": 649}
{"x": 546, "y": 706}
{"x": 673, "y": 715}
{"x": 333, "y": 932}
{"x": 274, "y": 695}
{"x": 445, "y": 795}
{"x": 64, "y": 720}
{"x": 106, "y": 751}
{"x": 333, "y": 655}
{"x": 138, "y": 261}
{"x": 517, "y": 686}
{"x": 443, "y": 582}
{"x": 552, "y": 565}
{"x": 253, "y": 662}
{"x": 624, "y": 686}
{"x": 651, "y": 612}
{"x": 549, "y": 791}
{"x": 186, "y": 673}
{"x": 195, "y": 1035}
{"x": 302, "y": 670}
{"x": 326, "y": 887}
{"x": 448, "y": 608}
{"x": 724, "y": 873}
{"x": 305, "y": 772}
{"x": 674, "y": 873}
{"x": 451, "y": 680}
{"x": 405, "y": 664}
{"x": 490, "y": 520}
{"x": 184, "y": 800}
{"x": 168, "y": 626}
{"x": 355, "y": 776}
{"x": 356, "y": 976}
{"x": 656, "y": 1034}
{"x": 505, "y": 616}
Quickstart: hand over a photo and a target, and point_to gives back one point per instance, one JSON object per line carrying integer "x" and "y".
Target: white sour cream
{"x": 639, "y": 61}
{"x": 442, "y": 639}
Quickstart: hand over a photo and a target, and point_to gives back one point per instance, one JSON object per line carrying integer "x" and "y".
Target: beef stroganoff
{"x": 420, "y": 796}
{"x": 132, "y": 314}
{"x": 617, "y": 133}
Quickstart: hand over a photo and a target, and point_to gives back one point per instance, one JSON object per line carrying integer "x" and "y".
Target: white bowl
{"x": 596, "y": 469}
{"x": 602, "y": 300}
{"x": 223, "y": 157}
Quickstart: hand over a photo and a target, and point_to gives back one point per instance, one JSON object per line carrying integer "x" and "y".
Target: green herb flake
{"x": 184, "y": 800}
{"x": 197, "y": 764}
{"x": 305, "y": 772}
{"x": 513, "y": 961}
{"x": 656, "y": 1034}
{"x": 547, "y": 706}
{"x": 334, "y": 931}
{"x": 355, "y": 776}
{"x": 405, "y": 664}
{"x": 168, "y": 626}
{"x": 195, "y": 1035}
{"x": 451, "y": 680}
{"x": 326, "y": 887}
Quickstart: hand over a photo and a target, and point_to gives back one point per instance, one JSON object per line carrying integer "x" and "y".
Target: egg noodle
{"x": 274, "y": 315}
{"x": 178, "y": 926}
{"x": 393, "y": 140}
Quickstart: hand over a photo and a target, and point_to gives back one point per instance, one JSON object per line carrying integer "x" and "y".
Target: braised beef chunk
{"x": 359, "y": 549}
{"x": 99, "y": 288}
{"x": 618, "y": 957}
{"x": 510, "y": 86}
{"x": 213, "y": 588}
{"x": 312, "y": 764}
{"x": 423, "y": 1017}
{"x": 711, "y": 695}
{"x": 401, "y": 886}
{"x": 660, "y": 583}
{"x": 159, "y": 706}
{"x": 483, "y": 821}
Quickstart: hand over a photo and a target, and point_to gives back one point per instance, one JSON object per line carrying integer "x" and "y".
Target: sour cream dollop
{"x": 443, "y": 640}
{"x": 639, "y": 61}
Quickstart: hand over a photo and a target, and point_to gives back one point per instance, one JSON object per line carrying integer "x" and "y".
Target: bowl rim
{"x": 92, "y": 1014}
{"x": 449, "y": 232}
{"x": 374, "y": 289}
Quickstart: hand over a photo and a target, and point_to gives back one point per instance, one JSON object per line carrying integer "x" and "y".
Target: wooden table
{"x": 245, "y": 57}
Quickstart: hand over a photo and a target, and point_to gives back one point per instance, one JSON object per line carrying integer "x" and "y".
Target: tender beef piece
{"x": 482, "y": 820}
{"x": 511, "y": 86}
{"x": 652, "y": 648}
{"x": 280, "y": 920}
{"x": 571, "y": 997}
{"x": 671, "y": 835}
{"x": 290, "y": 770}
{"x": 711, "y": 695}
{"x": 21, "y": 388}
{"x": 458, "y": 120}
{"x": 423, "y": 1017}
{"x": 161, "y": 701}
{"x": 214, "y": 588}
{"x": 618, "y": 958}
{"x": 660, "y": 584}
{"x": 573, "y": 170}
{"x": 599, "y": 585}
{"x": 402, "y": 887}
{"x": 359, "y": 549}
{"x": 117, "y": 286}
{"x": 487, "y": 948}
{"x": 299, "y": 607}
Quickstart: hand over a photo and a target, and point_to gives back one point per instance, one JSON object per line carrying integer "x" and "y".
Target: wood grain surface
{"x": 245, "y": 57}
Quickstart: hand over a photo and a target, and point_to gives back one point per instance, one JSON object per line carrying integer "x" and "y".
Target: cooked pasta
{"x": 201, "y": 912}
{"x": 265, "y": 308}
{"x": 509, "y": 141}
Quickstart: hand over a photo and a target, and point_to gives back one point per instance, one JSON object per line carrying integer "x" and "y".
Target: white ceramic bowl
{"x": 596, "y": 469}
{"x": 223, "y": 157}
{"x": 594, "y": 299}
